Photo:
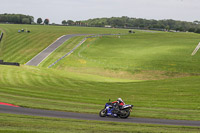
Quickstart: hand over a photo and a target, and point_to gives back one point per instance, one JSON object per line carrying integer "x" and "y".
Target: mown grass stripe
{"x": 43, "y": 34}
{"x": 84, "y": 81}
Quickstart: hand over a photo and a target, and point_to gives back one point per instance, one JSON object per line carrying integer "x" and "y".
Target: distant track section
{"x": 79, "y": 45}
{"x": 70, "y": 115}
{"x": 68, "y": 53}
{"x": 35, "y": 61}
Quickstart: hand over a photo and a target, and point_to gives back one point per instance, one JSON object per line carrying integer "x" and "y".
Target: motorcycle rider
{"x": 116, "y": 109}
{"x": 118, "y": 104}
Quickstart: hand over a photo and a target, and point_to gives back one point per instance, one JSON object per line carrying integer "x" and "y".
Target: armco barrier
{"x": 1, "y": 36}
{"x": 9, "y": 63}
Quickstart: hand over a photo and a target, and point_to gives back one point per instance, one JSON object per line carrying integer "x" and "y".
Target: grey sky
{"x": 58, "y": 10}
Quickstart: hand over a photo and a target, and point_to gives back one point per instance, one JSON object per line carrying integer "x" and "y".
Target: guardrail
{"x": 1, "y": 36}
{"x": 81, "y": 42}
{"x": 9, "y": 63}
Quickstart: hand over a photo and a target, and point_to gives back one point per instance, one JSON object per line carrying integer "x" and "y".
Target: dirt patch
{"x": 139, "y": 75}
{"x": 158, "y": 75}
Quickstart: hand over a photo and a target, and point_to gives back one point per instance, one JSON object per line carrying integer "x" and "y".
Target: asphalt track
{"x": 70, "y": 115}
{"x": 46, "y": 52}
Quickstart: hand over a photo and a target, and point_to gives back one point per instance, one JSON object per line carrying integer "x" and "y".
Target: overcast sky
{"x": 58, "y": 10}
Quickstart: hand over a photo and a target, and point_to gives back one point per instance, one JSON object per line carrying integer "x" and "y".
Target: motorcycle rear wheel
{"x": 125, "y": 114}
{"x": 102, "y": 113}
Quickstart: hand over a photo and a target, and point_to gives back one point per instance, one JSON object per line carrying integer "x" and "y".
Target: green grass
{"x": 165, "y": 55}
{"x": 1, "y": 42}
{"x": 24, "y": 124}
{"x": 61, "y": 51}
{"x": 21, "y": 47}
{"x": 153, "y": 71}
{"x": 52, "y": 89}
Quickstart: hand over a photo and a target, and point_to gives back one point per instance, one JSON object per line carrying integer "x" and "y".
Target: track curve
{"x": 35, "y": 61}
{"x": 70, "y": 115}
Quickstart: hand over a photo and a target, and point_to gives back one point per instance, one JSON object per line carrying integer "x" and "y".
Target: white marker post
{"x": 196, "y": 49}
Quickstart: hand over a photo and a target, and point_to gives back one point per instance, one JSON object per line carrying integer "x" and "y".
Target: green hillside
{"x": 21, "y": 47}
{"x": 53, "y": 89}
{"x": 140, "y": 56}
{"x": 154, "y": 71}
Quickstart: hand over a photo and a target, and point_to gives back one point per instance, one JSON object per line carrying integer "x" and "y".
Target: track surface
{"x": 46, "y": 52}
{"x": 59, "y": 114}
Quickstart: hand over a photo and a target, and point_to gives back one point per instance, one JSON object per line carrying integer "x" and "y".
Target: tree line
{"x": 20, "y": 19}
{"x": 115, "y": 22}
{"x": 16, "y": 18}
{"x": 139, "y": 23}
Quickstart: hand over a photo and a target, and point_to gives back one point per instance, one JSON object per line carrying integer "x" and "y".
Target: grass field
{"x": 143, "y": 56}
{"x": 42, "y": 124}
{"x": 154, "y": 71}
{"x": 52, "y": 89}
{"x": 21, "y": 47}
{"x": 62, "y": 50}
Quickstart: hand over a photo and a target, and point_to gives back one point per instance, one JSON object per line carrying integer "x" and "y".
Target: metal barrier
{"x": 9, "y": 63}
{"x": 1, "y": 36}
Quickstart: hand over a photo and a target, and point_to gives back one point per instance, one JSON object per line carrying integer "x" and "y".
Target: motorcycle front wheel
{"x": 102, "y": 113}
{"x": 124, "y": 114}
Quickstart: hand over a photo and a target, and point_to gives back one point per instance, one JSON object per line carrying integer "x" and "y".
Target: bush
{"x": 46, "y": 21}
{"x": 26, "y": 21}
{"x": 191, "y": 29}
{"x": 197, "y": 30}
{"x": 39, "y": 20}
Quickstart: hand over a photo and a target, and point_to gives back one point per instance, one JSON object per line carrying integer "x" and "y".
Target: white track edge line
{"x": 45, "y": 49}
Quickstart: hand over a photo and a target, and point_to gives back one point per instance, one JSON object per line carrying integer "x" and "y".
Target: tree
{"x": 46, "y": 21}
{"x": 70, "y": 22}
{"x": 191, "y": 29}
{"x": 196, "y": 22}
{"x": 78, "y": 22}
{"x": 179, "y": 29}
{"x": 64, "y": 22}
{"x": 16, "y": 18}
{"x": 26, "y": 21}
{"x": 167, "y": 28}
{"x": 197, "y": 30}
{"x": 39, "y": 20}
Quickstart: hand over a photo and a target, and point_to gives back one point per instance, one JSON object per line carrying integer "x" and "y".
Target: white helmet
{"x": 119, "y": 99}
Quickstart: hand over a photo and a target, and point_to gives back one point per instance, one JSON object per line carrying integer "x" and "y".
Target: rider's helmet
{"x": 119, "y": 100}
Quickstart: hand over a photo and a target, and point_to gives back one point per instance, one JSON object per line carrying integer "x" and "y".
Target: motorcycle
{"x": 112, "y": 109}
